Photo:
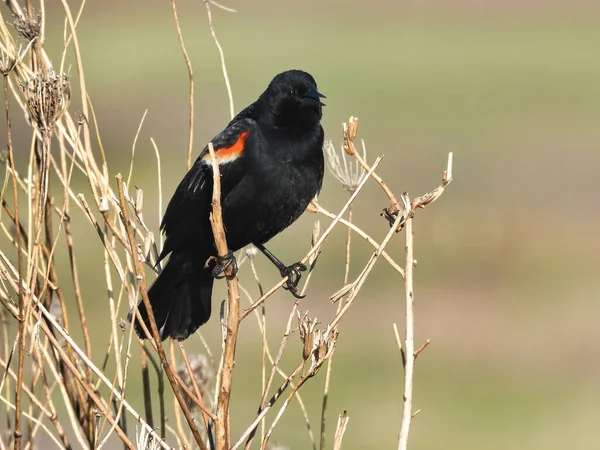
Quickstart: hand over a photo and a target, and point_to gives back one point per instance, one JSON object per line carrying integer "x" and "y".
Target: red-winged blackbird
{"x": 271, "y": 161}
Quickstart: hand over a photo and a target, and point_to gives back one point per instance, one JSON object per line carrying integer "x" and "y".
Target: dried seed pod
{"x": 47, "y": 95}
{"x": 28, "y": 27}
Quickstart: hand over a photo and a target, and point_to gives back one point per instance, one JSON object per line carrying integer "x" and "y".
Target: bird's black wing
{"x": 186, "y": 222}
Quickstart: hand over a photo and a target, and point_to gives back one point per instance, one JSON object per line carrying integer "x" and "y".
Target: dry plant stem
{"x": 222, "y": 55}
{"x": 48, "y": 390}
{"x": 358, "y": 283}
{"x": 222, "y": 430}
{"x": 188, "y": 64}
{"x": 18, "y": 392}
{"x": 160, "y": 389}
{"x": 205, "y": 416}
{"x": 409, "y": 340}
{"x": 137, "y": 135}
{"x": 155, "y": 334}
{"x": 268, "y": 405}
{"x": 361, "y": 233}
{"x": 330, "y": 361}
{"x": 409, "y": 353}
{"x": 97, "y": 371}
{"x": 77, "y": 376}
{"x": 146, "y": 391}
{"x": 48, "y": 412}
{"x": 83, "y": 89}
{"x": 88, "y": 388}
{"x": 350, "y": 149}
{"x": 179, "y": 423}
{"x": 284, "y": 407}
{"x": 274, "y": 366}
{"x": 341, "y": 429}
{"x": 71, "y": 344}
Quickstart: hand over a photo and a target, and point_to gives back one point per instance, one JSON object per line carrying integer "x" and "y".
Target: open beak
{"x": 312, "y": 98}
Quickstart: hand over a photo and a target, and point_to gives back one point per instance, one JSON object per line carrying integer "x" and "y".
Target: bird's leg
{"x": 222, "y": 263}
{"x": 293, "y": 273}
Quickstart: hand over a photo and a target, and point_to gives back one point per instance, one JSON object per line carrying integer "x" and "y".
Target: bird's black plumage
{"x": 271, "y": 162}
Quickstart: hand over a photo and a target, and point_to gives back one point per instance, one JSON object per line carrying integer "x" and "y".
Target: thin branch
{"x": 408, "y": 351}
{"x": 341, "y": 429}
{"x": 141, "y": 277}
{"x": 188, "y": 64}
{"x": 409, "y": 340}
{"x": 315, "y": 248}
{"x": 222, "y": 55}
{"x": 222, "y": 426}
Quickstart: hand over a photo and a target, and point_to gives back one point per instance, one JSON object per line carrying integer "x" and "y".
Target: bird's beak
{"x": 312, "y": 98}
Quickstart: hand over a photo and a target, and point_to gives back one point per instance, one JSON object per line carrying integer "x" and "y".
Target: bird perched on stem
{"x": 271, "y": 161}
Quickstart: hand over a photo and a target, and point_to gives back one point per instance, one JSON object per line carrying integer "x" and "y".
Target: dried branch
{"x": 405, "y": 215}
{"x": 141, "y": 278}
{"x": 188, "y": 64}
{"x": 222, "y": 425}
{"x": 207, "y": 3}
{"x": 340, "y": 431}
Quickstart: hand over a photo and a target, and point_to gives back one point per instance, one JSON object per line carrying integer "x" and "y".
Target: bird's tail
{"x": 180, "y": 297}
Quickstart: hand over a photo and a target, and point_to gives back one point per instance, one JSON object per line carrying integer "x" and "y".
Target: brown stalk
{"x": 207, "y": 3}
{"x": 222, "y": 425}
{"x": 160, "y": 390}
{"x": 146, "y": 390}
{"x": 88, "y": 388}
{"x": 182, "y": 435}
{"x": 188, "y": 64}
{"x": 188, "y": 367}
{"x": 141, "y": 277}
{"x": 46, "y": 411}
{"x": 18, "y": 392}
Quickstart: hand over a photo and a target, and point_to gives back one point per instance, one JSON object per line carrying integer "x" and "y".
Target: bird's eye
{"x": 293, "y": 92}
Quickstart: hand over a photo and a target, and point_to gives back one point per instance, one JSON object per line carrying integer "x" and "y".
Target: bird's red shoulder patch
{"x": 231, "y": 153}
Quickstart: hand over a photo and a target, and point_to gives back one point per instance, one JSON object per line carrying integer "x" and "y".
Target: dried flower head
{"x": 306, "y": 326}
{"x": 350, "y": 132}
{"x": 318, "y": 344}
{"x": 47, "y": 95}
{"x": 349, "y": 173}
{"x": 28, "y": 27}
{"x": 323, "y": 346}
{"x": 203, "y": 375}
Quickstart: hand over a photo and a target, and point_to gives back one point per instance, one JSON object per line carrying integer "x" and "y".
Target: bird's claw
{"x": 222, "y": 263}
{"x": 293, "y": 274}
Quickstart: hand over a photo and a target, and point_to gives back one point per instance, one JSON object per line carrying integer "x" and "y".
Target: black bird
{"x": 271, "y": 162}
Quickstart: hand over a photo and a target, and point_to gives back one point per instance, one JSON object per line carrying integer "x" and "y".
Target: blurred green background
{"x": 506, "y": 280}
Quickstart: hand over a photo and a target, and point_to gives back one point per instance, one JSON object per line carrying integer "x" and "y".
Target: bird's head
{"x": 293, "y": 100}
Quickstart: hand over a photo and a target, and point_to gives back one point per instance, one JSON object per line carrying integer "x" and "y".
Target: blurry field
{"x": 507, "y": 284}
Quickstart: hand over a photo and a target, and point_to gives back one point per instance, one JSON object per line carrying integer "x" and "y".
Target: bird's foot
{"x": 293, "y": 274}
{"x": 222, "y": 263}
